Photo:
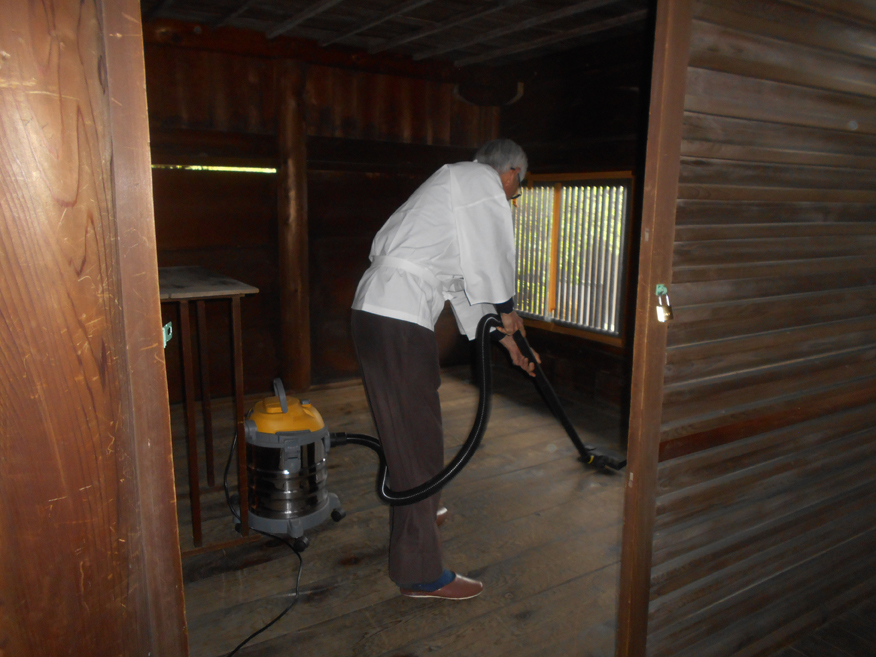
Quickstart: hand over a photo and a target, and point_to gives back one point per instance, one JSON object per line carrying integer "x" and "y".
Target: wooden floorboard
{"x": 540, "y": 529}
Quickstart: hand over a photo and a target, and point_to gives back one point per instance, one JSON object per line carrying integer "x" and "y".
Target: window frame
{"x": 558, "y": 179}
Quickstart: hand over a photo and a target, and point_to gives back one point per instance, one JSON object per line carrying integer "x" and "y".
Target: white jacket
{"x": 453, "y": 239}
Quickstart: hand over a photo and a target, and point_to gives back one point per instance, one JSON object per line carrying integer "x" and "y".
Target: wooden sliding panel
{"x": 764, "y": 521}
{"x": 90, "y": 560}
{"x": 658, "y": 214}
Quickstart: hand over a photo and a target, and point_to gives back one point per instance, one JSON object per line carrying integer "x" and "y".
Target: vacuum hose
{"x": 463, "y": 456}
{"x": 600, "y": 459}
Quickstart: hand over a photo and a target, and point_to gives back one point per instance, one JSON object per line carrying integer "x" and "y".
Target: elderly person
{"x": 452, "y": 240}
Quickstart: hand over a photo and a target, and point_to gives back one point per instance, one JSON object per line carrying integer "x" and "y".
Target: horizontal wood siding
{"x": 363, "y": 105}
{"x": 197, "y": 89}
{"x": 765, "y": 499}
{"x": 205, "y": 90}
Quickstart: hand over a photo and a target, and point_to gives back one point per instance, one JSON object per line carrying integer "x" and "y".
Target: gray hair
{"x": 503, "y": 154}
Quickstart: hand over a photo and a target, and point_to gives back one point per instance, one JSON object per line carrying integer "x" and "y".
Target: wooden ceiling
{"x": 461, "y": 32}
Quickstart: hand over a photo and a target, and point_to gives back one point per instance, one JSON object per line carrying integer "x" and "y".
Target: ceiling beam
{"x": 300, "y": 17}
{"x": 466, "y": 17}
{"x": 231, "y": 15}
{"x": 405, "y": 8}
{"x": 535, "y": 21}
{"x": 556, "y": 38}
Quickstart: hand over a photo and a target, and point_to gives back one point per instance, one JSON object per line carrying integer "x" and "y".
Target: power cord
{"x": 235, "y": 513}
{"x": 291, "y": 604}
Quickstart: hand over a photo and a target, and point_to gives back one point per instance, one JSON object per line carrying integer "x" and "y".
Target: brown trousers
{"x": 399, "y": 363}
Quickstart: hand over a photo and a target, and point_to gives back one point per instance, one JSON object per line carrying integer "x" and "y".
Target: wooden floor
{"x": 540, "y": 529}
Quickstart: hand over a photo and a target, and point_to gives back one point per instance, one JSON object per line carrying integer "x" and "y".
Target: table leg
{"x": 242, "y": 487}
{"x": 191, "y": 428}
{"x": 206, "y": 407}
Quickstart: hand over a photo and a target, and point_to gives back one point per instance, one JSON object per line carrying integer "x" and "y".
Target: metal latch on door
{"x": 664, "y": 310}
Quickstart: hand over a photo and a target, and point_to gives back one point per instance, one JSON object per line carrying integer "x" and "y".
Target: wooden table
{"x": 182, "y": 285}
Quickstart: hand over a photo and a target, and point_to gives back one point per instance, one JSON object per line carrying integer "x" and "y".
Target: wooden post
{"x": 191, "y": 423}
{"x": 292, "y": 217}
{"x": 206, "y": 404}
{"x": 662, "y": 165}
{"x": 89, "y": 561}
{"x": 242, "y": 480}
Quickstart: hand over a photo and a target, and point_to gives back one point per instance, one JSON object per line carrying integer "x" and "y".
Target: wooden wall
{"x": 763, "y": 516}
{"x": 372, "y": 138}
{"x": 89, "y": 555}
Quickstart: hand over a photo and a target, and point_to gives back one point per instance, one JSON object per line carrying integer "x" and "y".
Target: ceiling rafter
{"x": 517, "y": 27}
{"x": 405, "y": 8}
{"x": 556, "y": 38}
{"x": 302, "y": 16}
{"x": 231, "y": 15}
{"x": 466, "y": 17}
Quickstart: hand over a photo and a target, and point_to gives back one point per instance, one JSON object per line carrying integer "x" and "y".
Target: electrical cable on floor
{"x": 291, "y": 604}
{"x": 288, "y": 544}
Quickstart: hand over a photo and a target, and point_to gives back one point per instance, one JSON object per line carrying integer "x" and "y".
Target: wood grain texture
{"x": 737, "y": 139}
{"x": 692, "y": 212}
{"x": 90, "y": 561}
{"x": 710, "y": 430}
{"x": 701, "y": 360}
{"x": 780, "y": 599}
{"x": 138, "y": 277}
{"x": 710, "y": 586}
{"x": 752, "y": 98}
{"x": 676, "y": 568}
{"x": 763, "y": 507}
{"x": 784, "y": 21}
{"x": 197, "y": 89}
{"x": 735, "y": 319}
{"x": 745, "y": 51}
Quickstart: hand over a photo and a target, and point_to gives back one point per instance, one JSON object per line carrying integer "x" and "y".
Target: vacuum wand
{"x": 600, "y": 459}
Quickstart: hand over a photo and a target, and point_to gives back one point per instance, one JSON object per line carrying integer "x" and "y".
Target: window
{"x": 571, "y": 234}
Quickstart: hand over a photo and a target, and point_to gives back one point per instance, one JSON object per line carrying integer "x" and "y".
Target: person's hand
{"x": 511, "y": 323}
{"x": 518, "y": 358}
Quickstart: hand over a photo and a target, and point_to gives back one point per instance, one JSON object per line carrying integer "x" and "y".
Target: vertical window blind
{"x": 571, "y": 240}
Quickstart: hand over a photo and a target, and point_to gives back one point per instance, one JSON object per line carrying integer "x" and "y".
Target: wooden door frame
{"x": 161, "y": 574}
{"x": 76, "y": 137}
{"x": 660, "y": 193}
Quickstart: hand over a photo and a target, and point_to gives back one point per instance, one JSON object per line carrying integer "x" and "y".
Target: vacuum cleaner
{"x": 287, "y": 443}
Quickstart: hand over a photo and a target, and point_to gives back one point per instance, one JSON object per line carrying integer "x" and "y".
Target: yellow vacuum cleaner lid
{"x": 301, "y": 416}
